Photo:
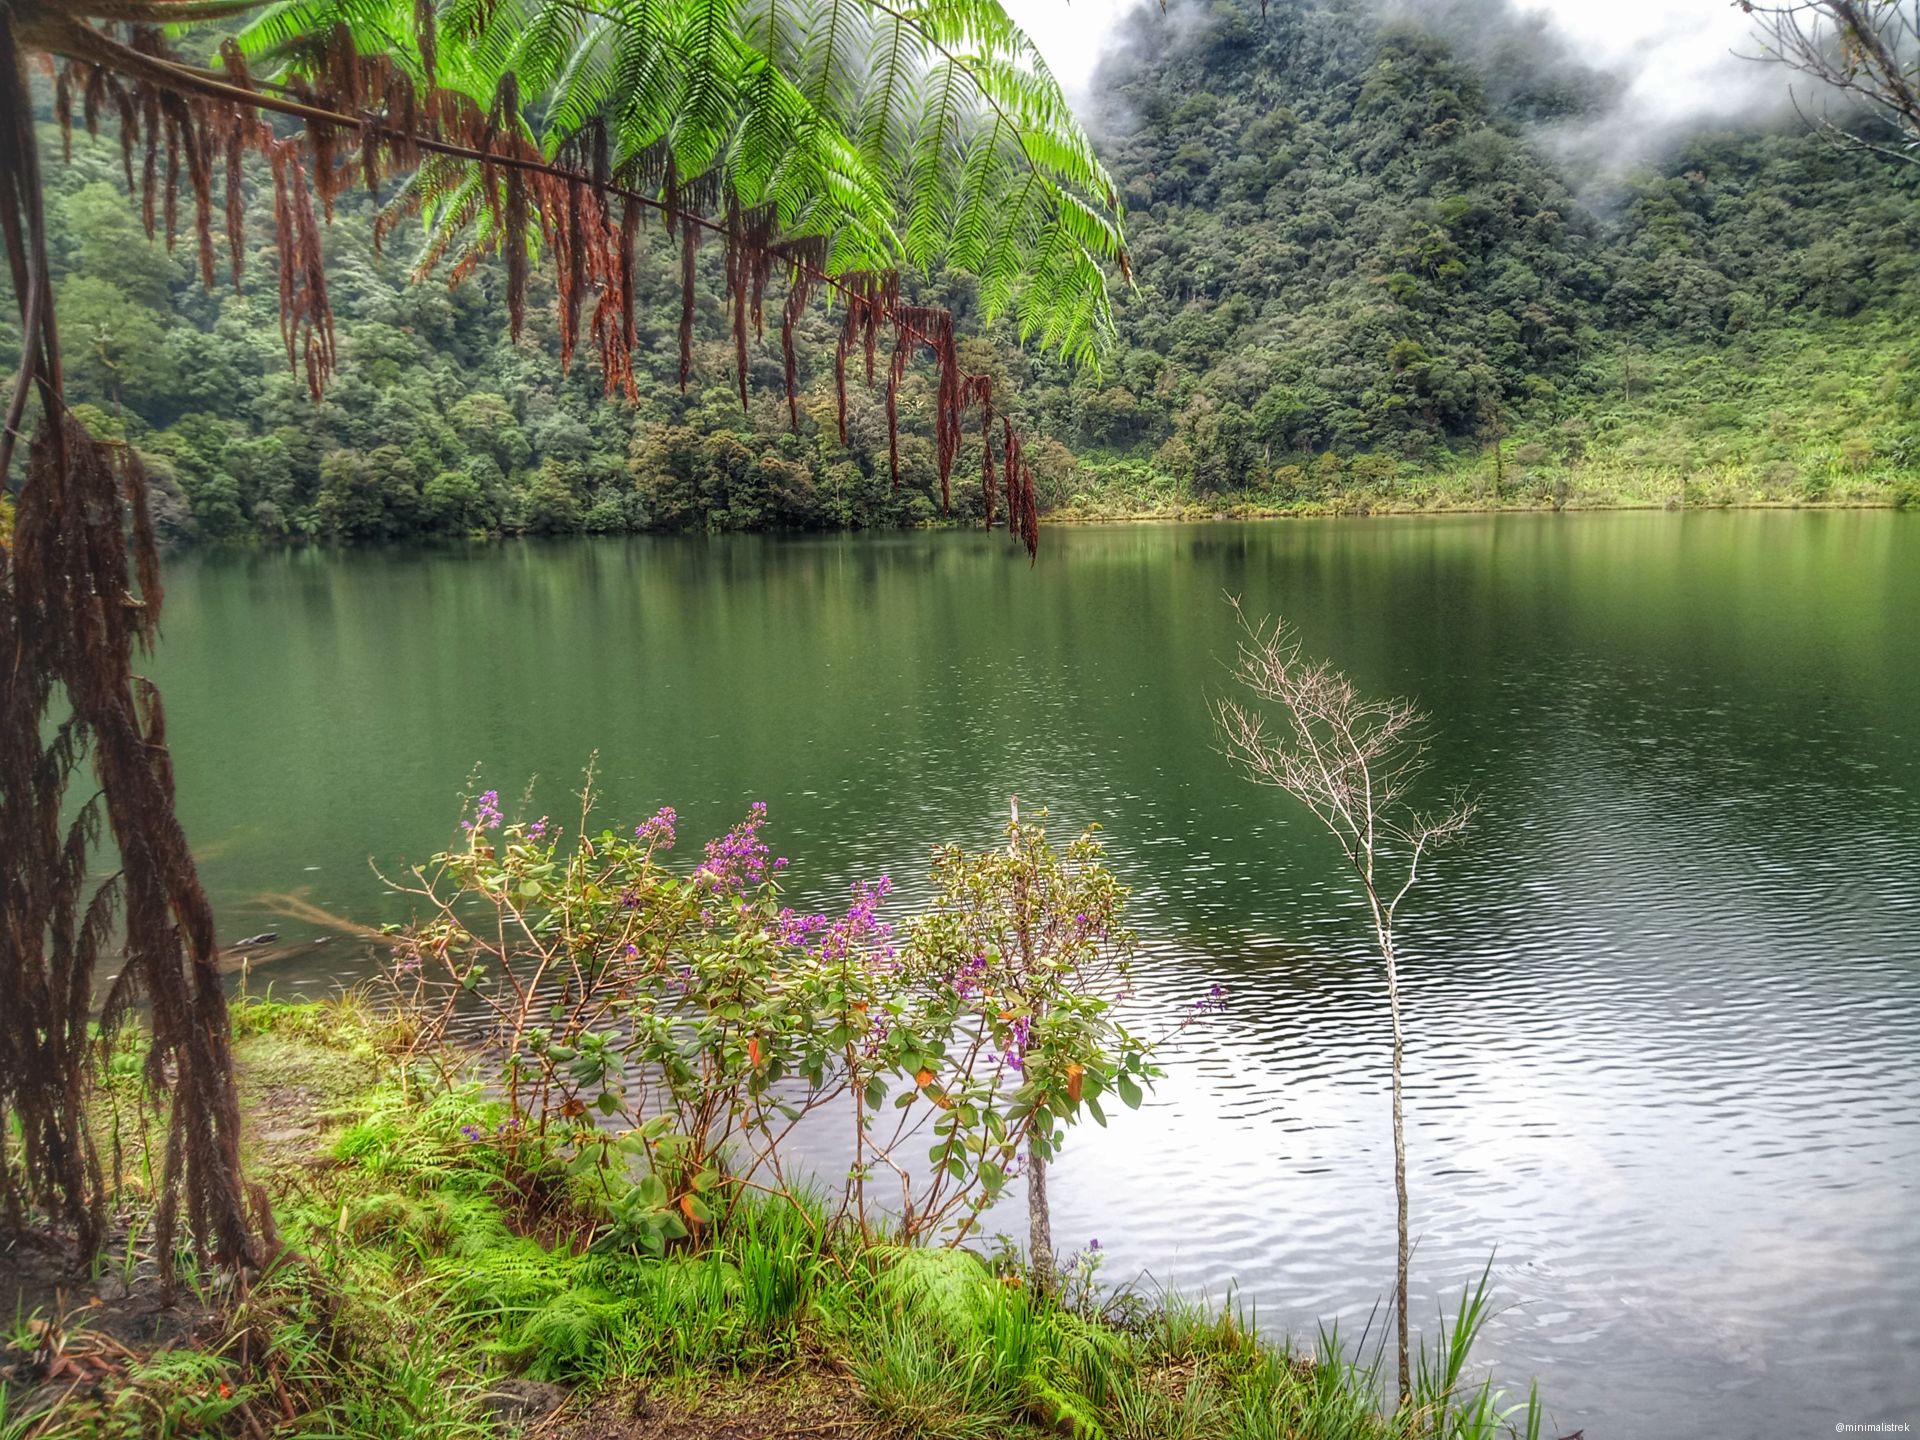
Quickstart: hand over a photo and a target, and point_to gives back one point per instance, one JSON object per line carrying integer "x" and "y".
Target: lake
{"x": 1663, "y": 1006}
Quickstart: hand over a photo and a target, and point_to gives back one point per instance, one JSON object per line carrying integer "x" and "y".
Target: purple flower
{"x": 1094, "y": 1245}
{"x": 860, "y": 931}
{"x": 798, "y": 929}
{"x": 486, "y": 813}
{"x": 738, "y": 858}
{"x": 657, "y": 830}
{"x": 1016, "y": 1047}
{"x": 967, "y": 979}
{"x": 472, "y": 1132}
{"x": 538, "y": 829}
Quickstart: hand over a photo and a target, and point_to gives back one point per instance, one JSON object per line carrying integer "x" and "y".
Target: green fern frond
{"x": 881, "y": 137}
{"x": 908, "y": 133}
{"x": 283, "y": 28}
{"x": 929, "y": 191}
{"x": 713, "y": 53}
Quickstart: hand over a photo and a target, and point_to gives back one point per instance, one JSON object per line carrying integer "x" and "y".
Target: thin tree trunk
{"x": 1403, "y": 1250}
{"x": 860, "y": 1156}
{"x": 1039, "y": 1221}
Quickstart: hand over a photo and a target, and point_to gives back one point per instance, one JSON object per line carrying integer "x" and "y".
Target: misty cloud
{"x": 1682, "y": 67}
{"x": 1675, "y": 65}
{"x": 1680, "y": 60}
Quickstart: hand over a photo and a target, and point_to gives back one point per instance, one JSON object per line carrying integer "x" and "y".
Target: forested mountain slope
{"x": 1352, "y": 237}
{"x": 1367, "y": 278}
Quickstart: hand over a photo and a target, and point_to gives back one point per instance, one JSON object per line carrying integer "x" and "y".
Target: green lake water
{"x": 1664, "y": 1007}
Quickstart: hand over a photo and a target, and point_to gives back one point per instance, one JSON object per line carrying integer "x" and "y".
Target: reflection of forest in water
{"x": 1662, "y": 1006}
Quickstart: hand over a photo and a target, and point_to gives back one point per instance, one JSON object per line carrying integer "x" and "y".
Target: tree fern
{"x": 517, "y": 126}
{"x": 509, "y": 124}
{"x": 905, "y": 133}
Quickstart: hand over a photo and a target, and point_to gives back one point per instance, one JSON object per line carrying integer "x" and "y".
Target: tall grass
{"x": 1817, "y": 414}
{"x": 425, "y": 1267}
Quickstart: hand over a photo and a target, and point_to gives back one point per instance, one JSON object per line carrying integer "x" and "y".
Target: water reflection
{"x": 1664, "y": 1006}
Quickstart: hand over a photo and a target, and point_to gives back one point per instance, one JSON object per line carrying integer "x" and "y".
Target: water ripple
{"x": 1663, "y": 1009}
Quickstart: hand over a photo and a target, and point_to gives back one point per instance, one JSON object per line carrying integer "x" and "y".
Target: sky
{"x": 1676, "y": 54}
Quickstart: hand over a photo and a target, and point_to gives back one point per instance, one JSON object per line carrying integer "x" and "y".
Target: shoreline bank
{"x": 443, "y": 1276}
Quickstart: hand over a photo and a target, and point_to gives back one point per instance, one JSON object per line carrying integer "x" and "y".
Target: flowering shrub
{"x": 667, "y": 1030}
{"x": 1008, "y": 987}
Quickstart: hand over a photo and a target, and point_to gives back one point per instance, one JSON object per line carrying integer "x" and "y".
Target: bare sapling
{"x": 1352, "y": 761}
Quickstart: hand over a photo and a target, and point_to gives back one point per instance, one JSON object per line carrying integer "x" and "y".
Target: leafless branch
{"x": 1865, "y": 50}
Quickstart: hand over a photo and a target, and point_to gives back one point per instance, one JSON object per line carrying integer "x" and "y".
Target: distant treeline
{"x": 1361, "y": 275}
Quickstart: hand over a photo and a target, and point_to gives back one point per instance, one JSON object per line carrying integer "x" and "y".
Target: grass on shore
{"x": 1808, "y": 416}
{"x": 442, "y": 1280}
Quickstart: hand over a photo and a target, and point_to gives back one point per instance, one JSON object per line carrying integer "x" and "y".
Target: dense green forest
{"x": 1364, "y": 281}
{"x": 1361, "y": 266}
